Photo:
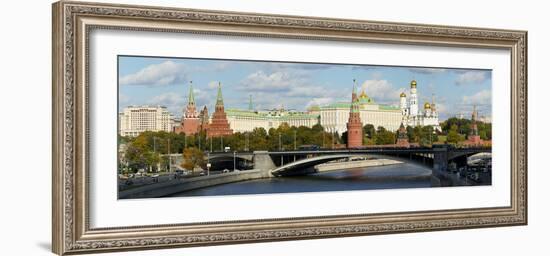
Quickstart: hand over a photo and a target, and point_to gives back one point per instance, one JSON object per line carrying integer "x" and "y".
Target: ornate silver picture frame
{"x": 72, "y": 205}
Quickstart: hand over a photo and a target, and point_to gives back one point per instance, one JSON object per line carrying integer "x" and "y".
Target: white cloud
{"x": 480, "y": 98}
{"x": 427, "y": 71}
{"x": 276, "y": 81}
{"x": 381, "y": 91}
{"x": 319, "y": 101}
{"x": 164, "y": 73}
{"x": 471, "y": 77}
{"x": 308, "y": 91}
{"x": 286, "y": 84}
{"x": 213, "y": 85}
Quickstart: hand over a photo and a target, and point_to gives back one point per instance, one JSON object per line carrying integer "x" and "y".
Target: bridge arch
{"x": 307, "y": 166}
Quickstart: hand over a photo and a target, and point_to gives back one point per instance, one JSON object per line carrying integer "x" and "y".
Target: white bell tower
{"x": 414, "y": 100}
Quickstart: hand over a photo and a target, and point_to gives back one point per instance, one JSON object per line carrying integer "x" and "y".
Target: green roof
{"x": 348, "y": 105}
{"x": 288, "y": 116}
{"x": 337, "y": 105}
{"x": 384, "y": 107}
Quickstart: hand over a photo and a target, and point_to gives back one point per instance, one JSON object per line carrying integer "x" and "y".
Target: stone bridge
{"x": 302, "y": 161}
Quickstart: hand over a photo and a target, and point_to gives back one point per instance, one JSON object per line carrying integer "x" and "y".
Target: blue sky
{"x": 165, "y": 81}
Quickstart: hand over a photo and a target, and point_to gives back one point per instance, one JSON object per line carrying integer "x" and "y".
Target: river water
{"x": 380, "y": 177}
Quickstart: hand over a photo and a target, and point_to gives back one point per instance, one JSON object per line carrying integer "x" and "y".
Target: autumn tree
{"x": 193, "y": 157}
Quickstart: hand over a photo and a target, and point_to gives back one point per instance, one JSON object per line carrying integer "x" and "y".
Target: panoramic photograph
{"x": 215, "y": 127}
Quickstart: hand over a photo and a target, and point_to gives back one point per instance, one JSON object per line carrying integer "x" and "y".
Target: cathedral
{"x": 411, "y": 113}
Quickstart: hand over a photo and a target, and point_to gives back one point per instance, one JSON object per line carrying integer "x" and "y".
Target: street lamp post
{"x": 234, "y": 161}
{"x": 208, "y": 164}
{"x": 294, "y": 145}
{"x": 246, "y": 142}
{"x": 169, "y": 157}
{"x": 280, "y": 149}
{"x": 154, "y": 150}
{"x": 221, "y": 137}
{"x": 332, "y": 146}
{"x": 294, "y": 139}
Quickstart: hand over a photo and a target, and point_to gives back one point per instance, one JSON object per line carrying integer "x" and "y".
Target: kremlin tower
{"x": 204, "y": 119}
{"x": 402, "y": 138}
{"x": 190, "y": 120}
{"x": 354, "y": 125}
{"x": 219, "y": 125}
{"x": 474, "y": 138}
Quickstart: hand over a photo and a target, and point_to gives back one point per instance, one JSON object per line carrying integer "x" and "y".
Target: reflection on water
{"x": 380, "y": 177}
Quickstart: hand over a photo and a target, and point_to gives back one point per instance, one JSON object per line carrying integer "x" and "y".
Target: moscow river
{"x": 380, "y": 177}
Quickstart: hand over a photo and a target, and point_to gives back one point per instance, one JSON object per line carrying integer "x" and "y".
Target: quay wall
{"x": 182, "y": 185}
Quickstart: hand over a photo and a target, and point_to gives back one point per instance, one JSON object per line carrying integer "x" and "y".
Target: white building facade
{"x": 334, "y": 117}
{"x": 134, "y": 120}
{"x": 412, "y": 115}
{"x": 247, "y": 120}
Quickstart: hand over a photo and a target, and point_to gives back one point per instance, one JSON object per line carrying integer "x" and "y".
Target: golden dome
{"x": 427, "y": 105}
{"x": 363, "y": 95}
{"x": 413, "y": 84}
{"x": 402, "y": 95}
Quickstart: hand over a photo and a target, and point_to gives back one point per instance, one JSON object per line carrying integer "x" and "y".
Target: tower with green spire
{"x": 191, "y": 110}
{"x": 219, "y": 98}
{"x": 354, "y": 125}
{"x": 219, "y": 125}
{"x": 190, "y": 119}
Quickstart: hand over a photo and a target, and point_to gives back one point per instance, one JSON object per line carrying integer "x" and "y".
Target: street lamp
{"x": 199, "y": 140}
{"x": 234, "y": 161}
{"x": 169, "y": 157}
{"x": 208, "y": 164}
{"x": 294, "y": 139}
{"x": 294, "y": 145}
{"x": 280, "y": 149}
{"x": 246, "y": 142}
{"x": 323, "y": 138}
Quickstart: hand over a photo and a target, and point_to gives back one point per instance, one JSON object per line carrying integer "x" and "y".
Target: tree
{"x": 452, "y": 135}
{"x": 193, "y": 157}
{"x": 258, "y": 139}
{"x": 368, "y": 130}
{"x": 384, "y": 137}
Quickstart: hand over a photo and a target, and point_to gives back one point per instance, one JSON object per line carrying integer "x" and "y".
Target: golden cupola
{"x": 427, "y": 105}
{"x": 413, "y": 84}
